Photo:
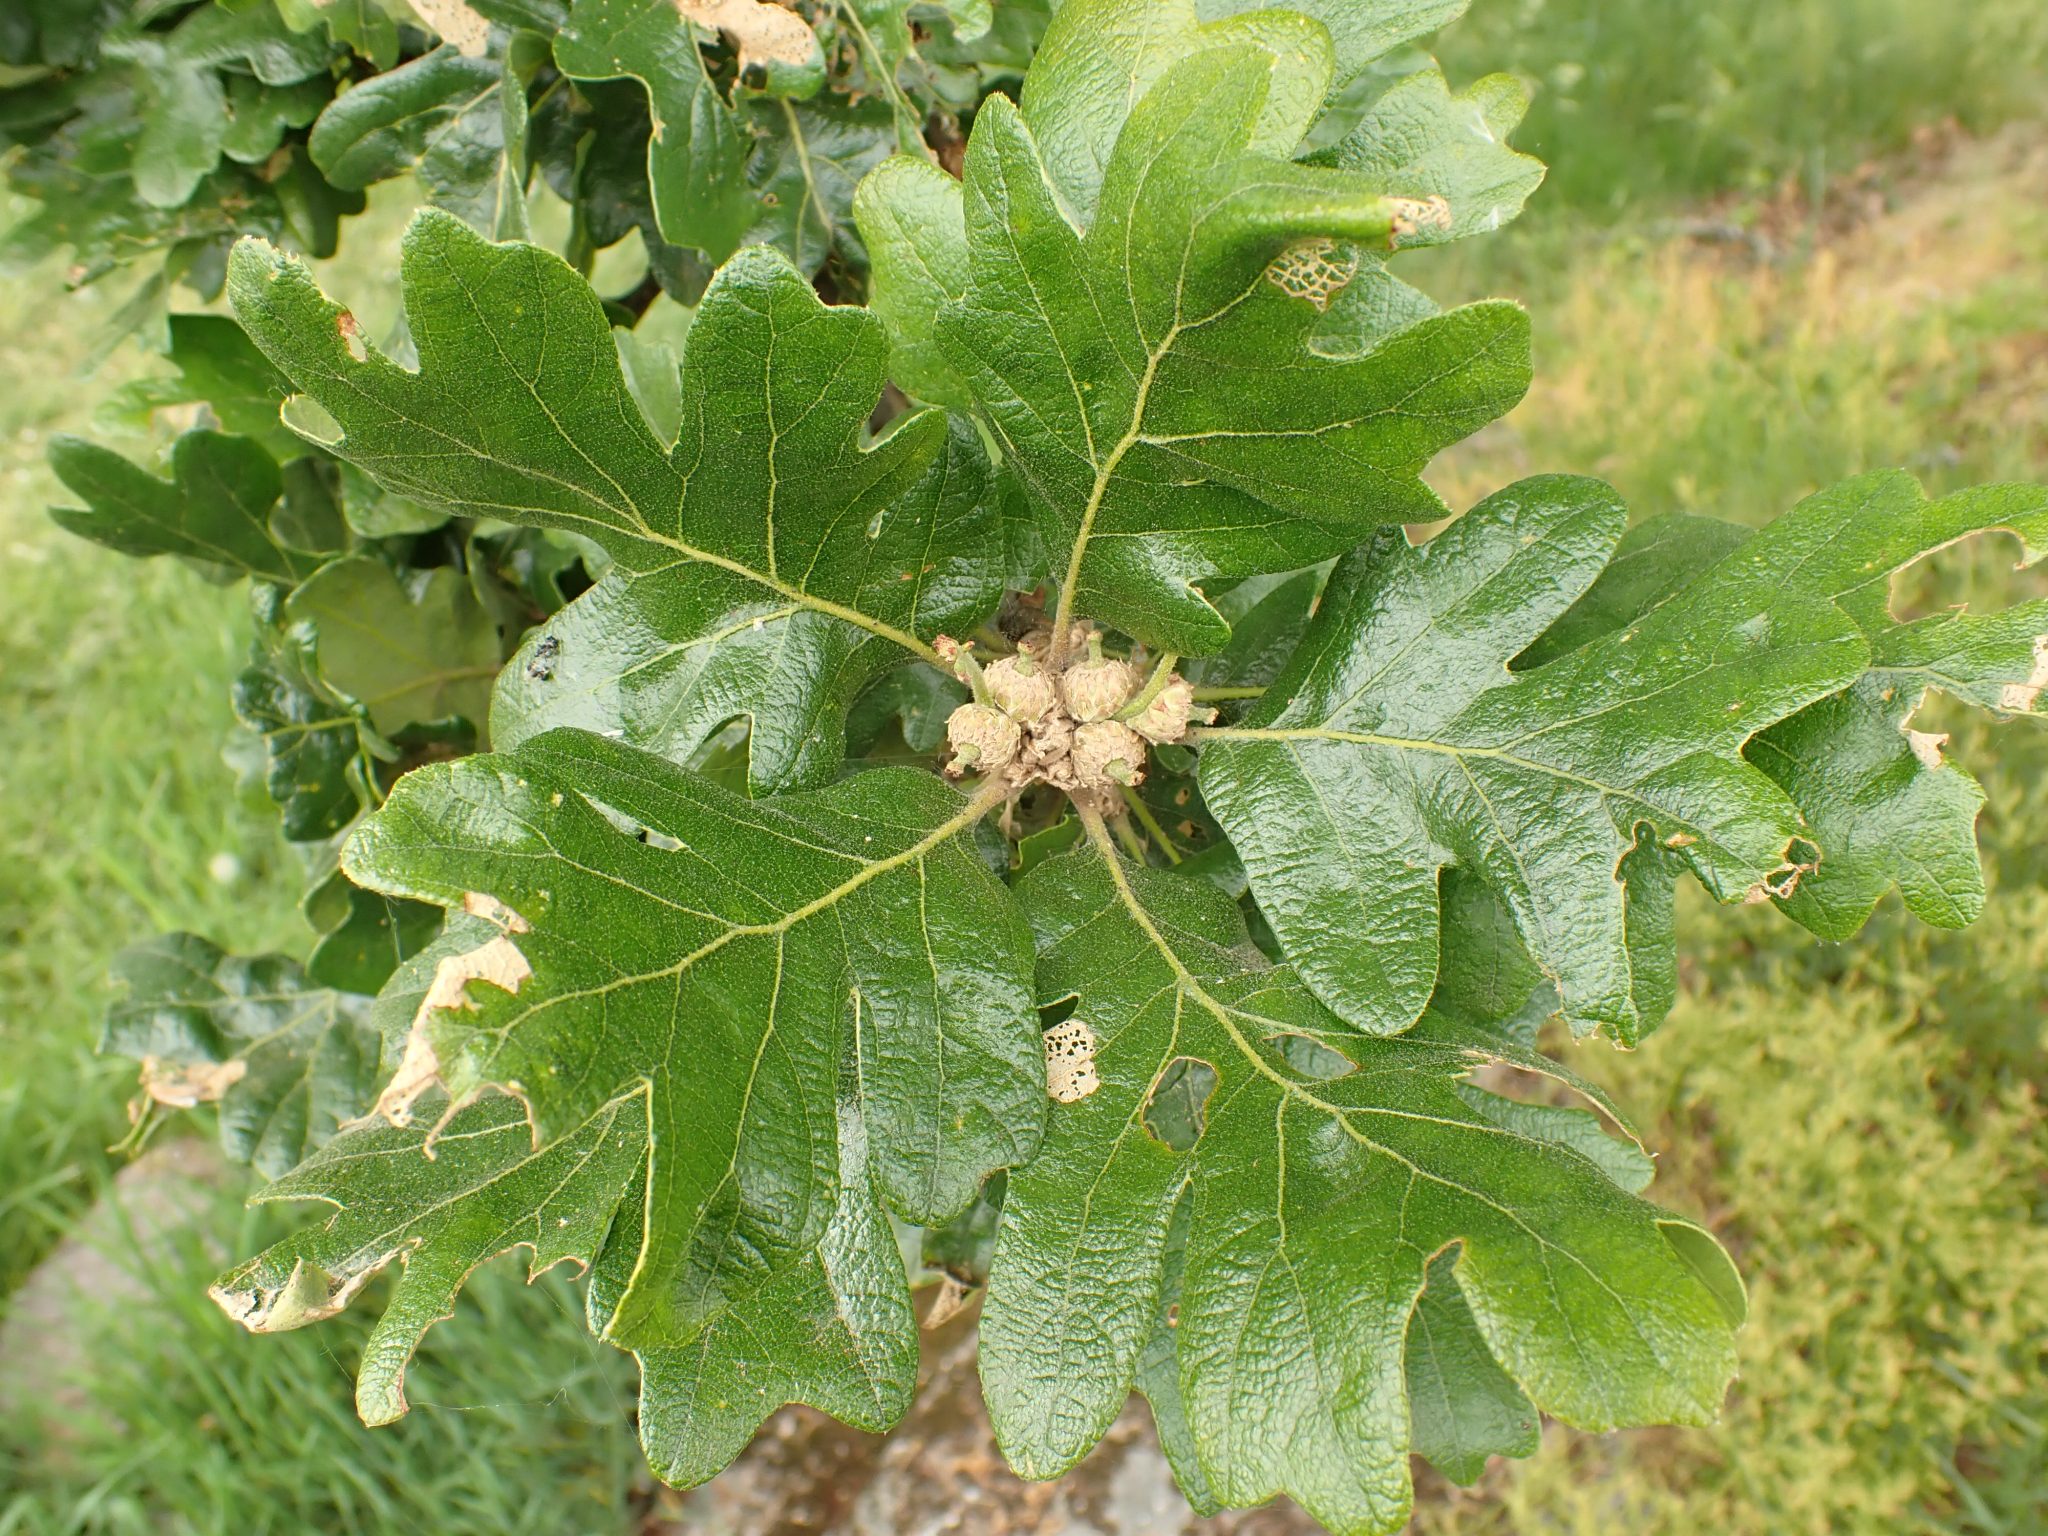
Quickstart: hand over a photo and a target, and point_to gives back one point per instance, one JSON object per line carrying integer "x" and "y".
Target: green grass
{"x": 120, "y": 820}
{"x": 1862, "y": 1123}
{"x": 181, "y": 1423}
{"x": 1639, "y": 102}
{"x": 115, "y": 808}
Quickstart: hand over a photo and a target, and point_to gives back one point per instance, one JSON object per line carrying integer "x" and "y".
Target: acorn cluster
{"x": 1083, "y": 724}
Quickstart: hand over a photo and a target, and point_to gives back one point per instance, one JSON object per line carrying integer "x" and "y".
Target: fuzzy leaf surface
{"x": 768, "y": 564}
{"x": 1397, "y": 742}
{"x": 1318, "y": 1198}
{"x": 1158, "y": 394}
{"x": 1422, "y": 139}
{"x": 661, "y": 931}
{"x": 1362, "y": 30}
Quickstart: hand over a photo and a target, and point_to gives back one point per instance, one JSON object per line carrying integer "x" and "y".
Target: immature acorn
{"x": 1166, "y": 718}
{"x": 1108, "y": 751}
{"x": 1097, "y": 688}
{"x": 984, "y": 739}
{"x": 1020, "y": 687}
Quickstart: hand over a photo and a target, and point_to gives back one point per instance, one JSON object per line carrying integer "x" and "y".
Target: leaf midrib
{"x": 1289, "y": 1089}
{"x": 984, "y": 802}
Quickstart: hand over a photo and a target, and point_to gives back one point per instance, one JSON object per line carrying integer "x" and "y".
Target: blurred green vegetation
{"x": 1862, "y": 1123}
{"x": 1638, "y": 102}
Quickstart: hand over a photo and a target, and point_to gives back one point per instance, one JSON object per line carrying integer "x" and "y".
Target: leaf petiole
{"x": 1162, "y": 674}
{"x": 1150, "y": 823}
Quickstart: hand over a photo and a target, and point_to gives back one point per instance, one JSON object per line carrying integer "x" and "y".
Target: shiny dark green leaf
{"x": 768, "y": 565}
{"x": 834, "y": 1331}
{"x": 480, "y": 1189}
{"x": 696, "y": 159}
{"x": 661, "y": 932}
{"x": 1147, "y": 275}
{"x": 1315, "y": 1205}
{"x": 1883, "y": 804}
{"x": 1397, "y": 742}
{"x": 215, "y": 509}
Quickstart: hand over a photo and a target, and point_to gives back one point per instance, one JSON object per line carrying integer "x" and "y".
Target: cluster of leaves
{"x": 696, "y": 973}
{"x": 379, "y": 626}
{"x": 163, "y": 130}
{"x": 170, "y": 129}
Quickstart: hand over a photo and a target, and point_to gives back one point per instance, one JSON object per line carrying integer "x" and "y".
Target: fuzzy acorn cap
{"x": 1166, "y": 718}
{"x": 1108, "y": 752}
{"x": 1020, "y": 687}
{"x": 985, "y": 740}
{"x": 1097, "y": 688}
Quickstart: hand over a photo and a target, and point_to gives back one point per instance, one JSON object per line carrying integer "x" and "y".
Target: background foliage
{"x": 1887, "y": 1210}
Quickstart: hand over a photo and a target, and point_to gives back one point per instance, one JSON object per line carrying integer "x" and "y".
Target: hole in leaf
{"x": 1177, "y": 1109}
{"x": 351, "y": 336}
{"x": 1316, "y": 269}
{"x": 310, "y": 419}
{"x": 1979, "y": 573}
{"x": 1313, "y": 1059}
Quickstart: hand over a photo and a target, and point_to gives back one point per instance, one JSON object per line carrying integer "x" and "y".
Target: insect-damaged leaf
{"x": 769, "y": 565}
{"x": 661, "y": 931}
{"x": 1142, "y": 319}
{"x": 483, "y": 1190}
{"x": 1884, "y": 805}
{"x": 1396, "y": 742}
{"x": 286, "y": 1060}
{"x": 1421, "y": 140}
{"x": 1316, "y": 1202}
